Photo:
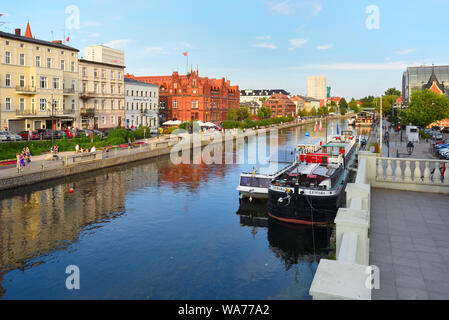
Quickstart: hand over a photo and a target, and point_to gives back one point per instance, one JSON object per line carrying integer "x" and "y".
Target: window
{"x": 73, "y": 85}
{"x": 22, "y": 104}
{"x": 103, "y": 119}
{"x": 119, "y": 104}
{"x": 112, "y": 119}
{"x": 49, "y": 63}
{"x": 112, "y": 89}
{"x": 96, "y": 104}
{"x": 84, "y": 87}
{"x": 103, "y": 88}
{"x": 72, "y": 66}
{"x": 62, "y": 65}
{"x": 95, "y": 73}
{"x": 175, "y": 104}
{"x": 73, "y": 104}
{"x": 112, "y": 104}
{"x": 42, "y": 105}
{"x": 43, "y": 82}
{"x": 38, "y": 61}
{"x": 22, "y": 59}
{"x": 120, "y": 76}
{"x": 8, "y": 104}
{"x": 55, "y": 83}
{"x": 112, "y": 75}
{"x": 119, "y": 89}
{"x": 8, "y": 80}
{"x": 95, "y": 88}
{"x": 8, "y": 57}
{"x": 103, "y": 75}
{"x": 22, "y": 80}
{"x": 84, "y": 71}
{"x": 103, "y": 103}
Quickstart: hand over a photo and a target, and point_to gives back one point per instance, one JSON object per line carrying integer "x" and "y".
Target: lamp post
{"x": 52, "y": 103}
{"x": 381, "y": 125}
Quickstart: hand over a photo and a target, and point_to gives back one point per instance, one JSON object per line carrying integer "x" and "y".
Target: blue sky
{"x": 255, "y": 43}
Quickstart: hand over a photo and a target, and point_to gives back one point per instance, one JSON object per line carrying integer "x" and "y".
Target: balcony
{"x": 26, "y": 90}
{"x": 69, "y": 91}
{"x": 88, "y": 95}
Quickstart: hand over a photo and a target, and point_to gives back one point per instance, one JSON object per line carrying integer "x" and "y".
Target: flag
{"x": 185, "y": 54}
{"x": 321, "y": 126}
{"x": 338, "y": 130}
{"x": 316, "y": 126}
{"x": 68, "y": 39}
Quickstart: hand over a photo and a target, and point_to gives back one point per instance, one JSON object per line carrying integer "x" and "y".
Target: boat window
{"x": 255, "y": 182}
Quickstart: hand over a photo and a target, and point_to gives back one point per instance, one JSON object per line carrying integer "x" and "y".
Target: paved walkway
{"x": 409, "y": 242}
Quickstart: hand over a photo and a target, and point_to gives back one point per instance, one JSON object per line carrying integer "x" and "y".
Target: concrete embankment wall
{"x": 159, "y": 148}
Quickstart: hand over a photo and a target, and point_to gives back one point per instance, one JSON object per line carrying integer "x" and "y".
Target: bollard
{"x": 43, "y": 164}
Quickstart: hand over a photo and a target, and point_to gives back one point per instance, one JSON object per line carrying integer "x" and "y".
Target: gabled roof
{"x": 433, "y": 81}
{"x": 35, "y": 41}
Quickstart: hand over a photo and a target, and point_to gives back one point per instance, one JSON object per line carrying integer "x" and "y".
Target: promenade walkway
{"x": 409, "y": 237}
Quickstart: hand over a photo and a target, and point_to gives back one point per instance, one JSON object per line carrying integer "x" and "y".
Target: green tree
{"x": 353, "y": 106}
{"x": 264, "y": 113}
{"x": 313, "y": 111}
{"x": 233, "y": 114}
{"x": 392, "y": 92}
{"x": 425, "y": 108}
{"x": 243, "y": 114}
{"x": 368, "y": 102}
{"x": 343, "y": 103}
{"x": 343, "y": 111}
{"x": 332, "y": 110}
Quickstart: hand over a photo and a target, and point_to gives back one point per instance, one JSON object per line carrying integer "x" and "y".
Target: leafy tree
{"x": 425, "y": 108}
{"x": 343, "y": 103}
{"x": 343, "y": 111}
{"x": 392, "y": 92}
{"x": 368, "y": 102}
{"x": 233, "y": 114}
{"x": 313, "y": 111}
{"x": 264, "y": 112}
{"x": 353, "y": 106}
{"x": 243, "y": 114}
{"x": 332, "y": 110}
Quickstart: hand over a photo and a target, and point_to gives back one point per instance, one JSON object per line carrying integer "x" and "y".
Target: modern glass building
{"x": 416, "y": 79}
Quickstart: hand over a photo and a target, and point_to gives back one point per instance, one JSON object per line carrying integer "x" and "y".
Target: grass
{"x": 117, "y": 136}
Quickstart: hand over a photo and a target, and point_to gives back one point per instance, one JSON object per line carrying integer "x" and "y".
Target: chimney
{"x": 57, "y": 41}
{"x": 18, "y": 32}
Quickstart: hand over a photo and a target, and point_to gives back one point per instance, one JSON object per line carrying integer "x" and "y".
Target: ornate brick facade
{"x": 281, "y": 105}
{"x": 191, "y": 97}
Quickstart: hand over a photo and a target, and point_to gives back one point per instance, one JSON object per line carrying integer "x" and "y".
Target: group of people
{"x": 78, "y": 149}
{"x": 24, "y": 158}
{"x": 54, "y": 149}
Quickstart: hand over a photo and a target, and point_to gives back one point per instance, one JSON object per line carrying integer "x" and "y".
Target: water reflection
{"x": 293, "y": 244}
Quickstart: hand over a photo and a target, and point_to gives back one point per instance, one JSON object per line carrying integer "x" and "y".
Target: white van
{"x": 412, "y": 133}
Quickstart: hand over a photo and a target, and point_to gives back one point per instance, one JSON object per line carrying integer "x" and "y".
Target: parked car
{"x": 49, "y": 133}
{"x": 99, "y": 133}
{"x": 34, "y": 135}
{"x": 10, "y": 136}
{"x": 445, "y": 130}
{"x": 154, "y": 130}
{"x": 69, "y": 134}
{"x": 3, "y": 137}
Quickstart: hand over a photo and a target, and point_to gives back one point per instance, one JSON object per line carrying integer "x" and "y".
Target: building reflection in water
{"x": 293, "y": 244}
{"x": 35, "y": 221}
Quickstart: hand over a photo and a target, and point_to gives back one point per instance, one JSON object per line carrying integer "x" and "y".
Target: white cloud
{"x": 388, "y": 58}
{"x": 118, "y": 44}
{"x": 263, "y": 38}
{"x": 296, "y": 43}
{"x": 325, "y": 46}
{"x": 289, "y": 7}
{"x": 354, "y": 66}
{"x": 94, "y": 35}
{"x": 405, "y": 51}
{"x": 266, "y": 45}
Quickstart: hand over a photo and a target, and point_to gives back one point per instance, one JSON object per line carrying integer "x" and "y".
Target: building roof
{"x": 29, "y": 39}
{"x": 263, "y": 92}
{"x": 140, "y": 83}
{"x": 102, "y": 63}
{"x": 308, "y": 99}
{"x": 434, "y": 81}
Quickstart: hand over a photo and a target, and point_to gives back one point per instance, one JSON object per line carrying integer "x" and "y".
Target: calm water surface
{"x": 154, "y": 230}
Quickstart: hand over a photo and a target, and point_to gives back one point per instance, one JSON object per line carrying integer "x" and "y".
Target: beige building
{"x": 38, "y": 83}
{"x": 102, "y": 95}
{"x": 316, "y": 87}
{"x": 100, "y": 53}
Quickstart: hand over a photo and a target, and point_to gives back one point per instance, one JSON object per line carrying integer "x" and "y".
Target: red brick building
{"x": 281, "y": 105}
{"x": 191, "y": 97}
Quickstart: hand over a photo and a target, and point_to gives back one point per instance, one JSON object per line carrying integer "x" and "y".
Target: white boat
{"x": 352, "y": 121}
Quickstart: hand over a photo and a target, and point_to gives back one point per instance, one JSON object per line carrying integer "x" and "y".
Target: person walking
{"x": 22, "y": 161}
{"x": 18, "y": 162}
{"x": 77, "y": 148}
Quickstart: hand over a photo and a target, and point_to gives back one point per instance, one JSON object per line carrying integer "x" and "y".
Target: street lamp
{"x": 52, "y": 103}
{"x": 410, "y": 148}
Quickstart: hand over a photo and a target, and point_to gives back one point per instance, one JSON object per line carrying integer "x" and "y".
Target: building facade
{"x": 104, "y": 54}
{"x": 191, "y": 97}
{"x": 281, "y": 105}
{"x": 38, "y": 83}
{"x": 141, "y": 104}
{"x": 316, "y": 87}
{"x": 434, "y": 78}
{"x": 102, "y": 95}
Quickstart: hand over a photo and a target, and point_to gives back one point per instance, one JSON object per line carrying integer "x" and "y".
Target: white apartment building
{"x": 316, "y": 87}
{"x": 103, "y": 54}
{"x": 141, "y": 104}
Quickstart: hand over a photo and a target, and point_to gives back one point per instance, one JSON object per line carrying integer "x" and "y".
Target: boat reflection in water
{"x": 293, "y": 244}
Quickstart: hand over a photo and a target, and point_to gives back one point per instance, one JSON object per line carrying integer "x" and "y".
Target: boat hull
{"x": 299, "y": 209}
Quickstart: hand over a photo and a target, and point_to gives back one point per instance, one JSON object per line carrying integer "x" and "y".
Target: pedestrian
{"x": 18, "y": 162}
{"x": 28, "y": 155}
{"x": 22, "y": 161}
{"x": 77, "y": 148}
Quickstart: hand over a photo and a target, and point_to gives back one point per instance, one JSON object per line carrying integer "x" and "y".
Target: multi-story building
{"x": 141, "y": 103}
{"x": 316, "y": 87}
{"x": 259, "y": 96}
{"x": 38, "y": 83}
{"x": 434, "y": 78}
{"x": 280, "y": 105}
{"x": 101, "y": 53}
{"x": 102, "y": 94}
{"x": 299, "y": 103}
{"x": 192, "y": 97}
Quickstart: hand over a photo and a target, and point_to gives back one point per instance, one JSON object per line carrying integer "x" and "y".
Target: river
{"x": 155, "y": 230}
